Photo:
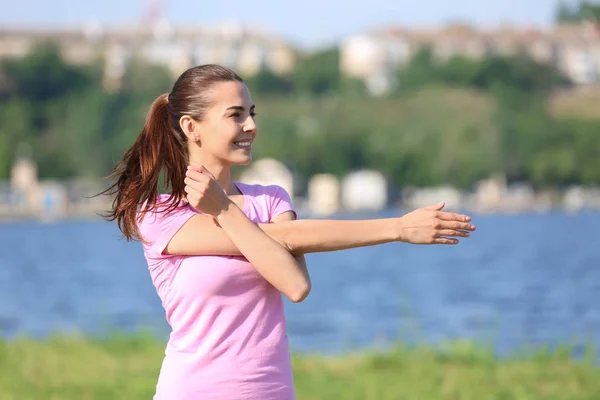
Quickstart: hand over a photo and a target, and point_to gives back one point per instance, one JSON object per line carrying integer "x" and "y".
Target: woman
{"x": 221, "y": 253}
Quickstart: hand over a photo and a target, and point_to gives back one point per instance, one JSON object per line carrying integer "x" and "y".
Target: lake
{"x": 518, "y": 281}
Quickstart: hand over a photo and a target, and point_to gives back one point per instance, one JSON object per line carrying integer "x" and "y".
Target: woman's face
{"x": 228, "y": 129}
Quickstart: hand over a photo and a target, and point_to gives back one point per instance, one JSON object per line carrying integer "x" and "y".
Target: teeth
{"x": 243, "y": 144}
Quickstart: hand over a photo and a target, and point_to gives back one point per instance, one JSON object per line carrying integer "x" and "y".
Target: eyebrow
{"x": 240, "y": 108}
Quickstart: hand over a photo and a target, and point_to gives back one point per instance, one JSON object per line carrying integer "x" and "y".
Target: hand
{"x": 430, "y": 225}
{"x": 204, "y": 192}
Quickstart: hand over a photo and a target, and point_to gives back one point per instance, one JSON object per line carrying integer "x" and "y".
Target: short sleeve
{"x": 280, "y": 202}
{"x": 158, "y": 228}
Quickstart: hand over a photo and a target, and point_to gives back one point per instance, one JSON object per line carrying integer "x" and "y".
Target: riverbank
{"x": 69, "y": 368}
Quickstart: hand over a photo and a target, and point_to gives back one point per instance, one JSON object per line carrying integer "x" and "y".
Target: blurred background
{"x": 365, "y": 111}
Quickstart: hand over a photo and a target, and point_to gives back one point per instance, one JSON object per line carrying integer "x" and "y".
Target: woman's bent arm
{"x": 273, "y": 261}
{"x": 270, "y": 259}
{"x": 289, "y": 216}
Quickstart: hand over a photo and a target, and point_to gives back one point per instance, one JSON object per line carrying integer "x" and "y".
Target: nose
{"x": 250, "y": 125}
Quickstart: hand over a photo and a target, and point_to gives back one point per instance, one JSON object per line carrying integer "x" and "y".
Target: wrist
{"x": 226, "y": 209}
{"x": 398, "y": 230}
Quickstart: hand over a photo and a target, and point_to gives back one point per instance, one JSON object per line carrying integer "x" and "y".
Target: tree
{"x": 564, "y": 13}
{"x": 585, "y": 10}
{"x": 43, "y": 75}
{"x": 520, "y": 72}
{"x": 267, "y": 82}
{"x": 589, "y": 11}
{"x": 318, "y": 73}
{"x": 421, "y": 70}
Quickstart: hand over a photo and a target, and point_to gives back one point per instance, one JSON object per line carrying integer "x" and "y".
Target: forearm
{"x": 272, "y": 260}
{"x": 314, "y": 236}
{"x": 317, "y": 236}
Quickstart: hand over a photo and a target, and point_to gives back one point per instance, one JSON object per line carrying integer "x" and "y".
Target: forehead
{"x": 227, "y": 94}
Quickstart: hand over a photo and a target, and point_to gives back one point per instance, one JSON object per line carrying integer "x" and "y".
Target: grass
{"x": 126, "y": 367}
{"x": 578, "y": 103}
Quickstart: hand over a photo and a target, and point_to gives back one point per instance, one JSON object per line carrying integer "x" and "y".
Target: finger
{"x": 195, "y": 167}
{"x": 435, "y": 207}
{"x": 190, "y": 191}
{"x": 199, "y": 187}
{"x": 456, "y": 225}
{"x": 207, "y": 172}
{"x": 452, "y": 232}
{"x": 196, "y": 175}
{"x": 448, "y": 216}
{"x": 445, "y": 241}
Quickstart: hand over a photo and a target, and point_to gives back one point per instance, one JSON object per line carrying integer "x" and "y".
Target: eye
{"x": 235, "y": 115}
{"x": 253, "y": 114}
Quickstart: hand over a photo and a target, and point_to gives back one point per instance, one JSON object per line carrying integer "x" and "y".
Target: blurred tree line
{"x": 584, "y": 10}
{"x": 447, "y": 122}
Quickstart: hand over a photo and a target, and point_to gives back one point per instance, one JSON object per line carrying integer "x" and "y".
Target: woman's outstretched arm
{"x": 202, "y": 235}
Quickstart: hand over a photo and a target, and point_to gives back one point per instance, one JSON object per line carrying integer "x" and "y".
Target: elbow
{"x": 286, "y": 239}
{"x": 301, "y": 292}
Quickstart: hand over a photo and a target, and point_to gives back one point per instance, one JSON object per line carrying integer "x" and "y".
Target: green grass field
{"x": 72, "y": 368}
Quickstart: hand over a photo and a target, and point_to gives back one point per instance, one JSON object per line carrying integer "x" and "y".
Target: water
{"x": 518, "y": 281}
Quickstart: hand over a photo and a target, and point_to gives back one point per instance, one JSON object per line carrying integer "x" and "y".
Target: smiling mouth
{"x": 244, "y": 144}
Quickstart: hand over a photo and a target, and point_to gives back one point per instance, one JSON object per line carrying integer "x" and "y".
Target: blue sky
{"x": 306, "y": 22}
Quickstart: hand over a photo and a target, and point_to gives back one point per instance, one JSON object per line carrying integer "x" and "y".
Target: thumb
{"x": 436, "y": 207}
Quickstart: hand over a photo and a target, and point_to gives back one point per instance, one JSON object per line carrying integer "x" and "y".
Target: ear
{"x": 188, "y": 126}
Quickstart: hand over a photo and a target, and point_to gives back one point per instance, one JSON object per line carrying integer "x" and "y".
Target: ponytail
{"x": 158, "y": 147}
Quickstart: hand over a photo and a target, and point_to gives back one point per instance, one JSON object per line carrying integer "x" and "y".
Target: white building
{"x": 323, "y": 194}
{"x": 246, "y": 50}
{"x": 364, "y": 190}
{"x": 268, "y": 171}
{"x": 375, "y": 56}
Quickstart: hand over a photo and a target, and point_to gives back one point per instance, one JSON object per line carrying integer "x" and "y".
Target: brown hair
{"x": 161, "y": 147}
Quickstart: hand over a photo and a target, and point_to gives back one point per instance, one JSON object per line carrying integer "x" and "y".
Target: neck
{"x": 221, "y": 172}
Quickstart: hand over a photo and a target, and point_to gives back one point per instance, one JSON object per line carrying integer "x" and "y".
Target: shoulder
{"x": 158, "y": 224}
{"x": 257, "y": 190}
{"x": 273, "y": 198}
{"x": 164, "y": 211}
{"x": 163, "y": 205}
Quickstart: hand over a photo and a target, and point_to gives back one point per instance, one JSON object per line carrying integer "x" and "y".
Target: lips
{"x": 244, "y": 144}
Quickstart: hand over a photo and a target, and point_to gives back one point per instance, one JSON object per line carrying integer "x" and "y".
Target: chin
{"x": 245, "y": 162}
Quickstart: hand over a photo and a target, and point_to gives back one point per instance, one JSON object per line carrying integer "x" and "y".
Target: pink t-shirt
{"x": 228, "y": 338}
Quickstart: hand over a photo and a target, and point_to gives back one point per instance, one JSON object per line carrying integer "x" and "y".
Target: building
{"x": 374, "y": 56}
{"x": 175, "y": 47}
